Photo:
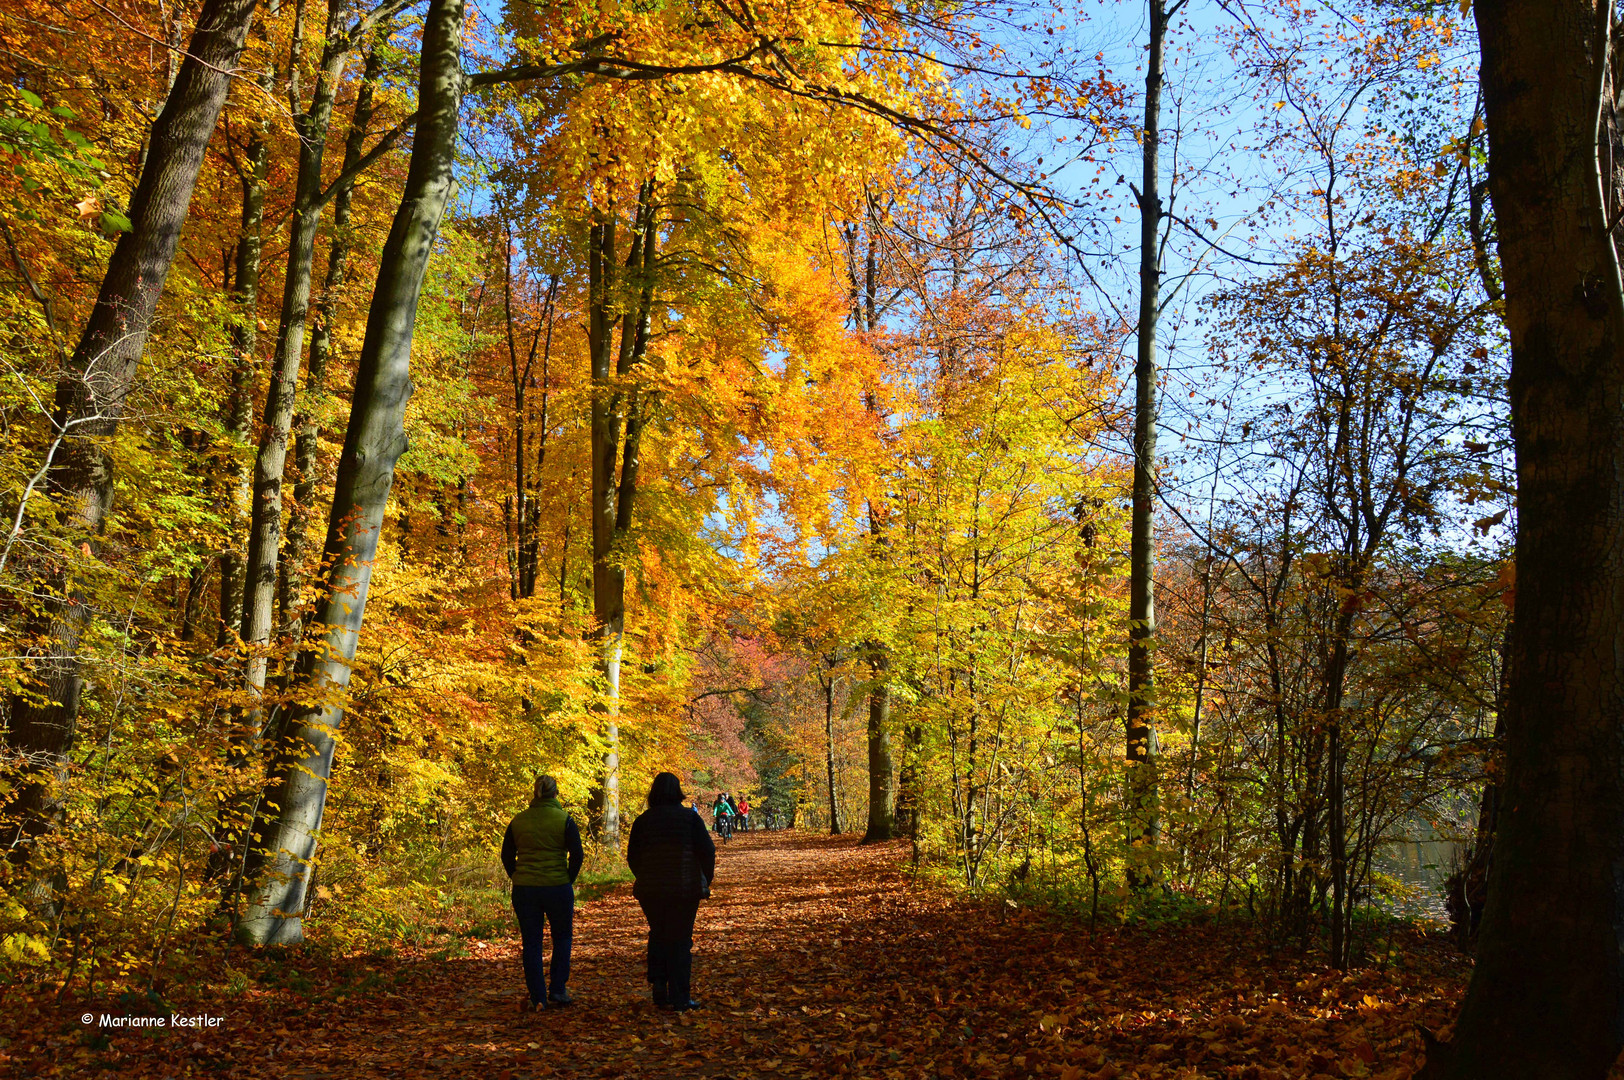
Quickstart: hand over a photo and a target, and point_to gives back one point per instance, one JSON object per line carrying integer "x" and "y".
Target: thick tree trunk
{"x": 882, "y": 793}
{"x": 882, "y": 804}
{"x": 1144, "y": 821}
{"x": 608, "y": 574}
{"x": 619, "y": 412}
{"x": 91, "y": 393}
{"x": 1546, "y": 999}
{"x": 286, "y": 835}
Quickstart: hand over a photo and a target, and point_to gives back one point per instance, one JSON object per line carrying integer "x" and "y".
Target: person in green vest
{"x": 542, "y": 853}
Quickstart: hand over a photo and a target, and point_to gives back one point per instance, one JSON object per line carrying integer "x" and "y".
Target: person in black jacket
{"x": 673, "y": 859}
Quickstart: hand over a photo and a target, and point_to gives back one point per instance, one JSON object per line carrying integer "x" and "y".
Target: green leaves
{"x": 50, "y": 160}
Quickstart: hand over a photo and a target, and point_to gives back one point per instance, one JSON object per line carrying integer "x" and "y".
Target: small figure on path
{"x": 722, "y": 816}
{"x": 744, "y": 814}
{"x": 542, "y": 853}
{"x": 673, "y": 859}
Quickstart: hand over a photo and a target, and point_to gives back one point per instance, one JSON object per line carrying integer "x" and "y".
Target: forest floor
{"x": 816, "y": 957}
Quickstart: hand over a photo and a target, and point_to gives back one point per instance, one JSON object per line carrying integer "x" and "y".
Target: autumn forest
{"x": 1129, "y": 491}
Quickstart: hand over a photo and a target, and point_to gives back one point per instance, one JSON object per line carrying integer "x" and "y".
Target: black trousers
{"x": 670, "y": 947}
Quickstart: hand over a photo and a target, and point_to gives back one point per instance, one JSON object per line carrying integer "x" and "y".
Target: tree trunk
{"x": 1546, "y": 998}
{"x": 1336, "y": 792}
{"x": 522, "y": 511}
{"x": 1144, "y": 820}
{"x": 237, "y": 809}
{"x": 307, "y": 430}
{"x": 1468, "y": 887}
{"x": 286, "y": 835}
{"x": 608, "y": 574}
{"x": 239, "y": 413}
{"x": 91, "y": 393}
{"x": 829, "y": 753}
{"x": 265, "y": 529}
{"x": 881, "y": 793}
{"x": 908, "y": 782}
{"x": 618, "y": 412}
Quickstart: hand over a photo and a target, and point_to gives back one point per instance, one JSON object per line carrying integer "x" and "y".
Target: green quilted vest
{"x": 538, "y": 834}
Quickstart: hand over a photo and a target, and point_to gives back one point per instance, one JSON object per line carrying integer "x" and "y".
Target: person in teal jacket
{"x": 541, "y": 852}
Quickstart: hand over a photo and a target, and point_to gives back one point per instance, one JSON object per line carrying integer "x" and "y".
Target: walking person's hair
{"x": 546, "y": 787}
{"x": 665, "y": 791}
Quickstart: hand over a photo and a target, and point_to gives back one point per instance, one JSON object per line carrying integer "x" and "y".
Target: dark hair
{"x": 665, "y": 791}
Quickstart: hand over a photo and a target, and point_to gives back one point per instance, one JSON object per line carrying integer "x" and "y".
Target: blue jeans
{"x": 536, "y": 906}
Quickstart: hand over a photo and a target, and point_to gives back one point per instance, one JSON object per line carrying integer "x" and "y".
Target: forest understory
{"x": 817, "y": 956}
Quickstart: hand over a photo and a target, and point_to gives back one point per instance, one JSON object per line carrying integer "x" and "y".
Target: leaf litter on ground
{"x": 815, "y": 957}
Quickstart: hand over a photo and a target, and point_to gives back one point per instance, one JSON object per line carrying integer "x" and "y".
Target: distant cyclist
{"x": 722, "y": 816}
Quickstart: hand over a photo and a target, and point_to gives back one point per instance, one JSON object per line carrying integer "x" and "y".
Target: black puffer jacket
{"x": 668, "y": 851}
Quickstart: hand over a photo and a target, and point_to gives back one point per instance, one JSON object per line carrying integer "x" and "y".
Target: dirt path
{"x": 784, "y": 920}
{"x": 817, "y": 957}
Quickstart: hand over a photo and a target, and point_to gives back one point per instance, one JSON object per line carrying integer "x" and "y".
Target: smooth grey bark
{"x": 91, "y": 393}
{"x": 1144, "y": 819}
{"x": 265, "y": 529}
{"x": 1546, "y": 998}
{"x": 307, "y": 432}
{"x": 288, "y": 831}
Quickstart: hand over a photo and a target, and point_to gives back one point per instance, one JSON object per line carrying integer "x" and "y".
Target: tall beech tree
{"x": 622, "y": 298}
{"x": 306, "y": 424}
{"x": 309, "y": 201}
{"x": 286, "y": 834}
{"x": 1546, "y": 999}
{"x": 1144, "y": 818}
{"x": 237, "y": 416}
{"x": 863, "y": 275}
{"x": 93, "y": 391}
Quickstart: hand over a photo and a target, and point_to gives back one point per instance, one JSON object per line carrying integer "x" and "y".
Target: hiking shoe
{"x": 690, "y": 1004}
{"x": 560, "y": 998}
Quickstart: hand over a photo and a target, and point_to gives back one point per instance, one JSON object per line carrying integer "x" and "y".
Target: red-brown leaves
{"x": 816, "y": 958}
